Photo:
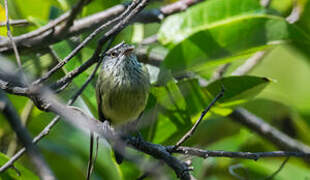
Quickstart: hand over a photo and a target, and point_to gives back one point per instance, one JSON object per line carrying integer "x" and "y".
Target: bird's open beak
{"x": 129, "y": 50}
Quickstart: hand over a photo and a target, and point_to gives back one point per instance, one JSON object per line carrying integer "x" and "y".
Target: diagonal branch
{"x": 83, "y": 44}
{"x": 204, "y": 112}
{"x": 52, "y": 32}
{"x": 278, "y": 138}
{"x": 47, "y": 129}
{"x": 23, "y": 135}
{"x": 10, "y": 35}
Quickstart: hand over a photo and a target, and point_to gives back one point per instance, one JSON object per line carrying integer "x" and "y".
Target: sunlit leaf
{"x": 219, "y": 31}
{"x": 178, "y": 105}
{"x": 238, "y": 89}
{"x": 21, "y": 173}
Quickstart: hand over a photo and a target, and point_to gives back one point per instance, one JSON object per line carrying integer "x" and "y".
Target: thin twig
{"x": 258, "y": 125}
{"x": 243, "y": 155}
{"x": 96, "y": 152}
{"x": 232, "y": 169}
{"x": 24, "y": 118}
{"x": 44, "y": 30}
{"x": 73, "y": 14}
{"x": 12, "y": 89}
{"x": 16, "y": 22}
{"x": 83, "y": 44}
{"x": 90, "y": 159}
{"x": 251, "y": 63}
{"x": 112, "y": 32}
{"x": 278, "y": 170}
{"x": 23, "y": 135}
{"x": 295, "y": 13}
{"x": 150, "y": 40}
{"x": 85, "y": 122}
{"x": 10, "y": 35}
{"x": 218, "y": 73}
{"x": 204, "y": 112}
{"x": 36, "y": 41}
{"x": 265, "y": 3}
{"x": 91, "y": 162}
{"x": 48, "y": 128}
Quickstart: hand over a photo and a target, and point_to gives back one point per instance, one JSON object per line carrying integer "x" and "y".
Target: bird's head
{"x": 121, "y": 52}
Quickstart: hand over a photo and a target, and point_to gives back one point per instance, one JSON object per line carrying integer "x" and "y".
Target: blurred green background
{"x": 204, "y": 37}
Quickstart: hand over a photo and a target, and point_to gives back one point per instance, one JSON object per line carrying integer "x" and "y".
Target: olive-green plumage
{"x": 123, "y": 86}
{"x": 122, "y": 90}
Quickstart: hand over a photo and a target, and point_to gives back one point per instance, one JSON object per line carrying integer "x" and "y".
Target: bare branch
{"x": 295, "y": 13}
{"x": 218, "y": 73}
{"x": 178, "y": 6}
{"x": 265, "y": 3}
{"x": 278, "y": 138}
{"x": 204, "y": 112}
{"x": 107, "y": 35}
{"x": 47, "y": 129}
{"x": 85, "y": 122}
{"x": 251, "y": 63}
{"x": 12, "y": 89}
{"x": 112, "y": 32}
{"x": 24, "y": 136}
{"x": 73, "y": 14}
{"x": 52, "y": 32}
{"x": 232, "y": 169}
{"x": 25, "y": 39}
{"x": 24, "y": 119}
{"x": 278, "y": 170}
{"x": 148, "y": 57}
{"x": 16, "y": 22}
{"x": 243, "y": 155}
{"x": 10, "y": 35}
{"x": 46, "y": 30}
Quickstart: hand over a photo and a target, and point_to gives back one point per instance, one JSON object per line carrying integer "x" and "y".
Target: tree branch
{"x": 86, "y": 40}
{"x": 204, "y": 112}
{"x": 278, "y": 170}
{"x": 16, "y": 22}
{"x": 52, "y": 32}
{"x": 25, "y": 138}
{"x": 10, "y": 35}
{"x": 86, "y": 123}
{"x": 278, "y": 138}
{"x": 47, "y": 129}
{"x": 244, "y": 155}
{"x": 250, "y": 64}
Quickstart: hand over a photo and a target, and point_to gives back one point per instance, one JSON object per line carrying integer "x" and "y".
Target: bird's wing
{"x": 99, "y": 94}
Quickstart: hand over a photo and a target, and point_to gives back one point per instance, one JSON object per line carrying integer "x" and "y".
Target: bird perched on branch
{"x": 122, "y": 88}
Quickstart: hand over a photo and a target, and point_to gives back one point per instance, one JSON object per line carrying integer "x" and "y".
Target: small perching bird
{"x": 122, "y": 88}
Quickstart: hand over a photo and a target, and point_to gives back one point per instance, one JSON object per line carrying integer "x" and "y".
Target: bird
{"x": 122, "y": 89}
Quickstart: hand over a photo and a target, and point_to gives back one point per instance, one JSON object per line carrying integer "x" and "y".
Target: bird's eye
{"x": 113, "y": 54}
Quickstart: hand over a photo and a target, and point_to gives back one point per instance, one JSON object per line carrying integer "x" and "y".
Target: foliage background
{"x": 213, "y": 33}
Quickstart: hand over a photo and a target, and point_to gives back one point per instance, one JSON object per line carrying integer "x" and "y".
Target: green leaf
{"x": 25, "y": 174}
{"x": 291, "y": 170}
{"x": 238, "y": 89}
{"x": 219, "y": 31}
{"x": 178, "y": 105}
{"x": 208, "y": 14}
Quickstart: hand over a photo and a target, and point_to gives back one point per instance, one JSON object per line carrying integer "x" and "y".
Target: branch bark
{"x": 53, "y": 33}
{"x": 258, "y": 125}
{"x": 23, "y": 135}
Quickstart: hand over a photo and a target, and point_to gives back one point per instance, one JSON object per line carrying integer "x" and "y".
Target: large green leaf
{"x": 178, "y": 105}
{"x": 221, "y": 30}
{"x": 208, "y": 14}
{"x": 25, "y": 174}
{"x": 237, "y": 88}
